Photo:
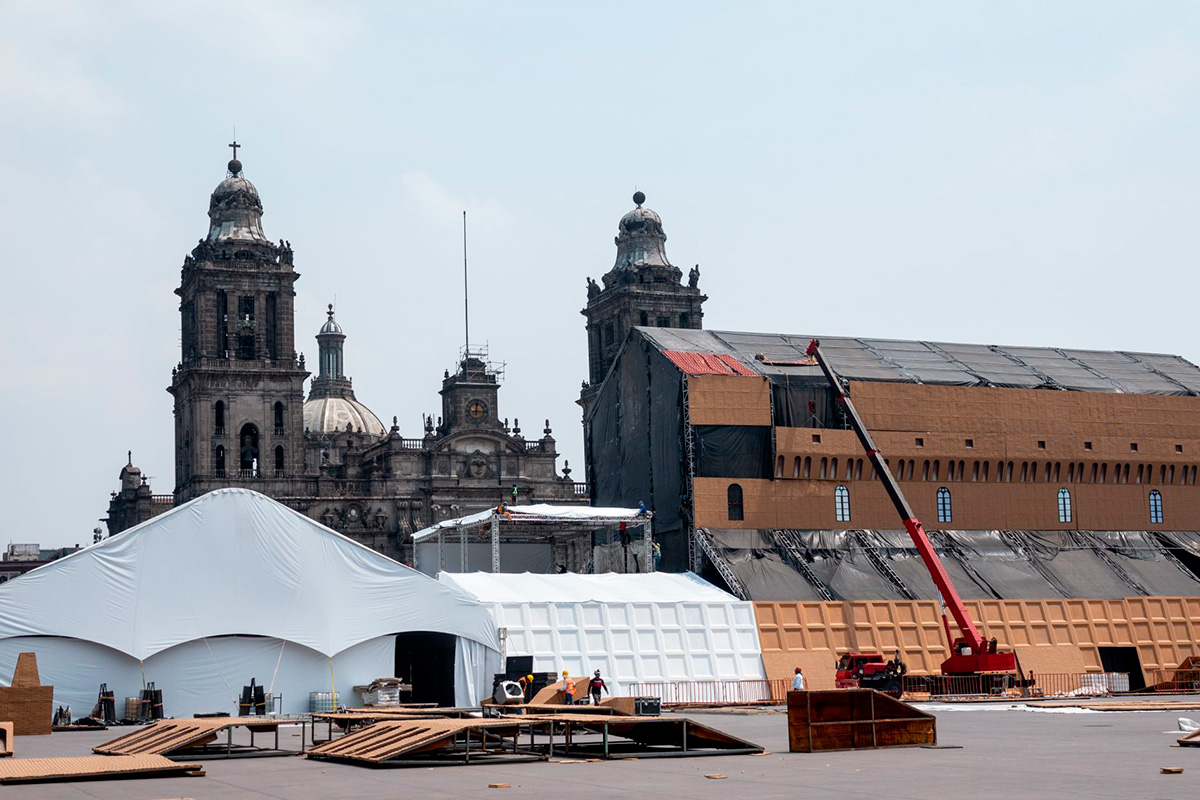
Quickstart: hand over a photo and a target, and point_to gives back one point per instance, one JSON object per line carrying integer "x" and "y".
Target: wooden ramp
{"x": 642, "y": 737}
{"x": 854, "y": 719}
{"x": 84, "y": 768}
{"x": 463, "y": 741}
{"x": 177, "y": 736}
{"x": 426, "y": 740}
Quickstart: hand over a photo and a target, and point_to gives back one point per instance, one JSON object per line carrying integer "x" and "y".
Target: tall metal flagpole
{"x": 466, "y": 302}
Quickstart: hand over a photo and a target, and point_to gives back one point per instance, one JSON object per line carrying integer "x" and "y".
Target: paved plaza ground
{"x": 990, "y": 752}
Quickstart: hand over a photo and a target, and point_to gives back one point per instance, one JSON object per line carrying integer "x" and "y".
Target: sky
{"x": 1002, "y": 173}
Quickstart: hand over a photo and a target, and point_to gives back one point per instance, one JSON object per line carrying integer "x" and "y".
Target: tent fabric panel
{"x": 636, "y": 641}
{"x": 193, "y": 572}
{"x": 537, "y": 557}
{"x": 201, "y": 676}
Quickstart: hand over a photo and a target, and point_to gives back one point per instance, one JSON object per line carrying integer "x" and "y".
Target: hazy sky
{"x": 1008, "y": 173}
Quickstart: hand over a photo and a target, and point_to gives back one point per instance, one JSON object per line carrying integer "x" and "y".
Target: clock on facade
{"x": 477, "y": 409}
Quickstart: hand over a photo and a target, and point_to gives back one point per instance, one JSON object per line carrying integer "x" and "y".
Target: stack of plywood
{"x": 27, "y": 704}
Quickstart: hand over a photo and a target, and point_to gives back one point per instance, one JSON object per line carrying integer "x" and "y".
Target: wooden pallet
{"x": 174, "y": 735}
{"x": 32, "y": 770}
{"x": 1190, "y": 739}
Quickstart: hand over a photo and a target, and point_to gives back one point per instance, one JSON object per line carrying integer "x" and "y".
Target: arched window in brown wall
{"x": 734, "y": 496}
{"x": 1064, "y": 505}
{"x": 841, "y": 503}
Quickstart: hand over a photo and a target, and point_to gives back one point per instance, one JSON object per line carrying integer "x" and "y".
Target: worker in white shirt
{"x": 798, "y": 681}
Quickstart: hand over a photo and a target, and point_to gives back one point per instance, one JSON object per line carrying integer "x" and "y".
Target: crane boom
{"x": 970, "y": 653}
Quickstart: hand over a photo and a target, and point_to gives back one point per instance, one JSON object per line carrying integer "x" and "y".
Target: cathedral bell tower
{"x": 643, "y": 288}
{"x": 239, "y": 387}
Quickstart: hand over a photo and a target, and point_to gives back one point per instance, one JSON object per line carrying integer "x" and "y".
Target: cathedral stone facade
{"x": 241, "y": 417}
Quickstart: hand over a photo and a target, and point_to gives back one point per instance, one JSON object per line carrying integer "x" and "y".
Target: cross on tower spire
{"x": 235, "y": 146}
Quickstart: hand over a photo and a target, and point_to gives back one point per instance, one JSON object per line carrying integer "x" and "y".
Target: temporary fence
{"x": 1044, "y": 684}
{"x": 914, "y": 687}
{"x": 715, "y": 692}
{"x": 1175, "y": 681}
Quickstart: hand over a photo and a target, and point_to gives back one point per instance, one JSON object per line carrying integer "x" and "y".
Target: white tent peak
{"x": 233, "y": 562}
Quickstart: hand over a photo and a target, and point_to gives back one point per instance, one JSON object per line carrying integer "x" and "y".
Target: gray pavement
{"x": 995, "y": 754}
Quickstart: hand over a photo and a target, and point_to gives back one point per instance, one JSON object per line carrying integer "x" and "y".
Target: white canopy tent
{"x": 538, "y": 516}
{"x": 650, "y": 629}
{"x": 228, "y": 587}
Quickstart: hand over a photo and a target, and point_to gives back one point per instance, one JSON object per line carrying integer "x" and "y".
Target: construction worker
{"x": 798, "y": 681}
{"x": 595, "y": 686}
{"x": 568, "y": 689}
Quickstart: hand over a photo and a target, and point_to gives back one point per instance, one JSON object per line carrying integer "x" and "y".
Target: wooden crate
{"x": 854, "y": 719}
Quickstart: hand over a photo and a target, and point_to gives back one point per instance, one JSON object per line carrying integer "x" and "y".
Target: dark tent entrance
{"x": 425, "y": 660}
{"x": 1124, "y": 659}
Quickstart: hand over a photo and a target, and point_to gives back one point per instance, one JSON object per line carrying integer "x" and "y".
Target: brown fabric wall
{"x": 809, "y": 505}
{"x": 729, "y": 400}
{"x": 1165, "y": 630}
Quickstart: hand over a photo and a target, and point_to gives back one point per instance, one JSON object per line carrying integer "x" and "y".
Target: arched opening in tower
{"x": 249, "y": 450}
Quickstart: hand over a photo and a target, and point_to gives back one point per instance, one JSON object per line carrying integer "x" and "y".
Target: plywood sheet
{"x": 28, "y": 770}
{"x": 1044, "y": 659}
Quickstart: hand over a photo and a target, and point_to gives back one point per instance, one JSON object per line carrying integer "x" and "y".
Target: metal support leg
{"x": 495, "y": 543}
{"x": 441, "y": 557}
{"x": 647, "y": 555}
{"x": 462, "y": 548}
{"x": 606, "y": 740}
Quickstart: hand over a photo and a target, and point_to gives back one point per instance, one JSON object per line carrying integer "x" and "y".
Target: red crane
{"x": 970, "y": 653}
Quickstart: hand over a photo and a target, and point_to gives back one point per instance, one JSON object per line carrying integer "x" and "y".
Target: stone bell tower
{"x": 238, "y": 387}
{"x": 642, "y": 288}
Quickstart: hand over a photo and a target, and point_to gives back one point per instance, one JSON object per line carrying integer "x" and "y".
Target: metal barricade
{"x": 713, "y": 692}
{"x": 1045, "y": 684}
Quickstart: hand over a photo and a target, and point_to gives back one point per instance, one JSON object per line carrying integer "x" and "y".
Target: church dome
{"x": 235, "y": 210}
{"x": 331, "y": 414}
{"x": 640, "y": 240}
{"x": 640, "y": 220}
{"x": 331, "y": 325}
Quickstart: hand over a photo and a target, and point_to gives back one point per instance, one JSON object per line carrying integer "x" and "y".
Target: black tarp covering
{"x": 897, "y": 547}
{"x": 667, "y": 458}
{"x": 842, "y": 566}
{"x": 635, "y": 444}
{"x": 981, "y": 564}
{"x": 753, "y": 558}
{"x": 791, "y": 399}
{"x": 1077, "y": 568}
{"x": 1141, "y": 556}
{"x": 733, "y": 451}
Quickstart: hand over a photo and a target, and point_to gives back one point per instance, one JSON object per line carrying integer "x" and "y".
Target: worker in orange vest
{"x": 568, "y": 689}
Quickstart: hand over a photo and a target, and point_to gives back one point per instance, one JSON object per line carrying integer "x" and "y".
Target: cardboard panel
{"x": 729, "y": 400}
{"x": 1050, "y": 636}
